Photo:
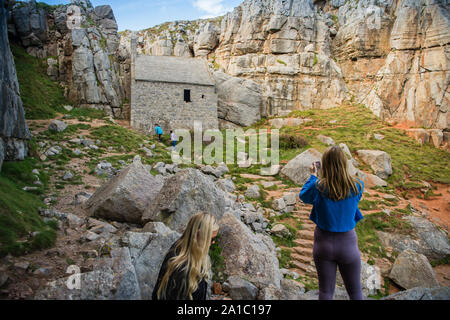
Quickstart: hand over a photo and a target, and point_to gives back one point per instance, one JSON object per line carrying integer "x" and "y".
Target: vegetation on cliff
{"x": 42, "y": 98}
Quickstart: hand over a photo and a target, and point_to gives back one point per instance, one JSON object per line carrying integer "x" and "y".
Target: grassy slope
{"x": 356, "y": 125}
{"x": 22, "y": 230}
{"x": 41, "y": 96}
{"x": 19, "y": 217}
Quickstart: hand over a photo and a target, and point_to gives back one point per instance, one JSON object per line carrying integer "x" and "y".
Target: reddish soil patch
{"x": 436, "y": 207}
{"x": 443, "y": 275}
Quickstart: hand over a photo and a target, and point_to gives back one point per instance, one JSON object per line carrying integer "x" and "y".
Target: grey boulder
{"x": 183, "y": 195}
{"x": 298, "y": 170}
{"x": 241, "y": 289}
{"x": 413, "y": 270}
{"x": 379, "y": 161}
{"x": 248, "y": 255}
{"x": 57, "y": 126}
{"x": 438, "y": 293}
{"x": 125, "y": 197}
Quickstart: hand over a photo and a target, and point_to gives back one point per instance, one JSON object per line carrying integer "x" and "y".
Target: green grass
{"x": 21, "y": 173}
{"x": 355, "y": 124}
{"x": 117, "y": 136}
{"x": 19, "y": 216}
{"x": 367, "y": 205}
{"x": 441, "y": 262}
{"x": 217, "y": 261}
{"x": 83, "y": 114}
{"x": 316, "y": 60}
{"x": 42, "y": 98}
{"x": 369, "y": 241}
{"x": 284, "y": 258}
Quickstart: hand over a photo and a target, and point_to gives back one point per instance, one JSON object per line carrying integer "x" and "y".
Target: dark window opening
{"x": 187, "y": 95}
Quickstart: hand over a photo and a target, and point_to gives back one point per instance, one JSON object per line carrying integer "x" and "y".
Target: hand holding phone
{"x": 316, "y": 166}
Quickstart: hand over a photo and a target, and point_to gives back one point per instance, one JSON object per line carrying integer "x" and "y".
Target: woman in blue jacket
{"x": 335, "y": 198}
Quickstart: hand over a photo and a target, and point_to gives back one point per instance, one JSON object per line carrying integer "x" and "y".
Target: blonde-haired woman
{"x": 186, "y": 266}
{"x": 335, "y": 198}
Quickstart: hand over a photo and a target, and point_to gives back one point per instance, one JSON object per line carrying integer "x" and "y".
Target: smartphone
{"x": 318, "y": 165}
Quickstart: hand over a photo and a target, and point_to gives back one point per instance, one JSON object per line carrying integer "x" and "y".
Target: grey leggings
{"x": 331, "y": 250}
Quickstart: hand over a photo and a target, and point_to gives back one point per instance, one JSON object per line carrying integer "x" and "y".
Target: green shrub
{"x": 292, "y": 141}
{"x": 217, "y": 261}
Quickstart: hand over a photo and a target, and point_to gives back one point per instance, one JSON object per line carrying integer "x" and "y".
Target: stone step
{"x": 300, "y": 258}
{"x": 307, "y": 252}
{"x": 304, "y": 243}
{"x": 300, "y": 266}
{"x": 306, "y": 235}
{"x": 308, "y": 226}
{"x": 303, "y": 216}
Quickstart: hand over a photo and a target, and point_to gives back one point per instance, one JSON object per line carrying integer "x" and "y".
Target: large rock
{"x": 13, "y": 128}
{"x": 438, "y": 293}
{"x": 249, "y": 256}
{"x": 125, "y": 197}
{"x": 148, "y": 251}
{"x": 291, "y": 290}
{"x": 253, "y": 192}
{"x": 240, "y": 100}
{"x": 226, "y": 185}
{"x": 379, "y": 161}
{"x": 130, "y": 271}
{"x": 241, "y": 289}
{"x": 57, "y": 126}
{"x": 183, "y": 195}
{"x": 413, "y": 270}
{"x": 114, "y": 280}
{"x": 435, "y": 238}
{"x": 426, "y": 239}
{"x": 299, "y": 169}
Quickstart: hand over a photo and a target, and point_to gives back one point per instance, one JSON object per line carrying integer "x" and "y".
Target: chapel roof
{"x": 173, "y": 70}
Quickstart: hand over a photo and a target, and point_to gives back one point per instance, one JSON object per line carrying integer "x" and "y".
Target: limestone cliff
{"x": 413, "y": 84}
{"x": 80, "y": 44}
{"x": 391, "y": 55}
{"x": 13, "y": 128}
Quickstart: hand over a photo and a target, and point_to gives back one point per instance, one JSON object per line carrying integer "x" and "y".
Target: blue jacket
{"x": 330, "y": 215}
{"x": 158, "y": 130}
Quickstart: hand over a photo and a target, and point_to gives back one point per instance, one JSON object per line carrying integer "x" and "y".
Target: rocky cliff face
{"x": 80, "y": 44}
{"x": 413, "y": 84}
{"x": 13, "y": 129}
{"x": 391, "y": 55}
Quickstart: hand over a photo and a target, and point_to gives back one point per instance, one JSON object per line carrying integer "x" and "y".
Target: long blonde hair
{"x": 191, "y": 255}
{"x": 335, "y": 180}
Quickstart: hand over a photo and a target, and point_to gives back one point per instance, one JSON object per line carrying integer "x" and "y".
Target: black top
{"x": 174, "y": 290}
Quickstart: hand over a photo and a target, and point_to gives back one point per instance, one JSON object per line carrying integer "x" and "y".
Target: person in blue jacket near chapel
{"x": 158, "y": 131}
{"x": 335, "y": 198}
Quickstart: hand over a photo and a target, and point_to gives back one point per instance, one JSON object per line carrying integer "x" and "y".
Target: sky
{"x": 142, "y": 14}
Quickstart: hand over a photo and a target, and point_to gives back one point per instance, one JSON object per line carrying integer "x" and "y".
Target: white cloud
{"x": 212, "y": 8}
